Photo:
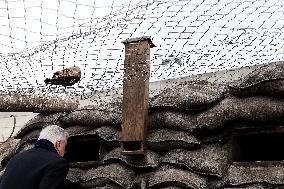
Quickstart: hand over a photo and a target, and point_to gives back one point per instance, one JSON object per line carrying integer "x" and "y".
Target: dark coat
{"x": 38, "y": 168}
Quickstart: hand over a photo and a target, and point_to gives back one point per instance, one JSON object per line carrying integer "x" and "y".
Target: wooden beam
{"x": 135, "y": 95}
{"x": 18, "y": 102}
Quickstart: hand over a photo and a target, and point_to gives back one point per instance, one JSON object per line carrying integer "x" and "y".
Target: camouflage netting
{"x": 189, "y": 137}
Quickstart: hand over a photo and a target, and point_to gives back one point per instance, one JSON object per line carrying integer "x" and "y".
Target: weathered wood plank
{"x": 17, "y": 102}
{"x": 135, "y": 95}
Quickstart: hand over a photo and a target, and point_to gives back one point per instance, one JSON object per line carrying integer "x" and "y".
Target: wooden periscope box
{"x": 135, "y": 101}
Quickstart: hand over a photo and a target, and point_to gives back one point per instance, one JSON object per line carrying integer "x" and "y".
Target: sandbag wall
{"x": 188, "y": 141}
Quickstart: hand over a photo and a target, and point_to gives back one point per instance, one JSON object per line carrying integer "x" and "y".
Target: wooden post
{"x": 24, "y": 102}
{"x": 135, "y": 95}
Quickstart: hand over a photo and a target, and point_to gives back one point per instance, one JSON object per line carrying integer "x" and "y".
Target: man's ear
{"x": 56, "y": 145}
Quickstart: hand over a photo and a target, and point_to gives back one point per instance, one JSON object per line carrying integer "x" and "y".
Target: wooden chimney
{"x": 135, "y": 102}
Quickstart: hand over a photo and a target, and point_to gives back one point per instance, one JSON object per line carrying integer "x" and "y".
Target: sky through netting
{"x": 38, "y": 38}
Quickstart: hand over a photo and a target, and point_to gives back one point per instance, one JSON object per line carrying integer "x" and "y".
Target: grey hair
{"x": 53, "y": 133}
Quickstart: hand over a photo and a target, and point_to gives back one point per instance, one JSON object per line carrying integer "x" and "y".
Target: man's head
{"x": 57, "y": 136}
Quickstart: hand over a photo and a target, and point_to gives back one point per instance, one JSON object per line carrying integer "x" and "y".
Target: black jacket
{"x": 38, "y": 168}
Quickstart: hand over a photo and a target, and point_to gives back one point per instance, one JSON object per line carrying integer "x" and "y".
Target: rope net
{"x": 38, "y": 38}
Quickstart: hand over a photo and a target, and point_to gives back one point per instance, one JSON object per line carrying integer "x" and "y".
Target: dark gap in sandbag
{"x": 259, "y": 146}
{"x": 83, "y": 149}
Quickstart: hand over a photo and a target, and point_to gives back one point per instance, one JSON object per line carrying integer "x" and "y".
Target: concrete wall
{"x": 7, "y": 122}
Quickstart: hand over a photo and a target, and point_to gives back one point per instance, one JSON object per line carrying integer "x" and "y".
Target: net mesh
{"x": 38, "y": 38}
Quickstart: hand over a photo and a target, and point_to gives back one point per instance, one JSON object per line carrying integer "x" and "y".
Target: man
{"x": 42, "y": 167}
